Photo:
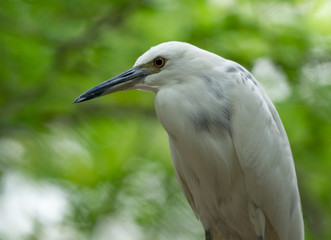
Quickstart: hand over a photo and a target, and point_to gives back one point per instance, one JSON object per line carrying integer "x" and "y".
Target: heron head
{"x": 164, "y": 65}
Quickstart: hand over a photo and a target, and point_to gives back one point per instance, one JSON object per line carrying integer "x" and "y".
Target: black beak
{"x": 124, "y": 81}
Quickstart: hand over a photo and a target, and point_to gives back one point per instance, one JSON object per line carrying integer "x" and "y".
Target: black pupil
{"x": 158, "y": 62}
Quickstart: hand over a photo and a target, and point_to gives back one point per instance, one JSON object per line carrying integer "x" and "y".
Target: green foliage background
{"x": 108, "y": 159}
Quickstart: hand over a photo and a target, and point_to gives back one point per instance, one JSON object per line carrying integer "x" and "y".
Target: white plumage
{"x": 229, "y": 148}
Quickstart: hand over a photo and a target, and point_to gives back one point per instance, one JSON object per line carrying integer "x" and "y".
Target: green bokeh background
{"x": 107, "y": 162}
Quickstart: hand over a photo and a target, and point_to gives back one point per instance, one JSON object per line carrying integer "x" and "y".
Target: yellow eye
{"x": 159, "y": 62}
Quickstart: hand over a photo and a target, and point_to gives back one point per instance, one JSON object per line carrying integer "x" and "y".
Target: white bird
{"x": 229, "y": 149}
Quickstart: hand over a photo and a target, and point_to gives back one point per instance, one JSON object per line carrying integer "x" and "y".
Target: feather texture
{"x": 231, "y": 156}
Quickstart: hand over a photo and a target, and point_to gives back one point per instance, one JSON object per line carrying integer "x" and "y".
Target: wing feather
{"x": 264, "y": 154}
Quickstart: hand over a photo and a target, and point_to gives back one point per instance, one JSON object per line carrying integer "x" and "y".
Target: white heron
{"x": 229, "y": 149}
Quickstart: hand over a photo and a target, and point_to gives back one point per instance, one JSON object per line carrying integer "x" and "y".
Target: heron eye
{"x": 159, "y": 62}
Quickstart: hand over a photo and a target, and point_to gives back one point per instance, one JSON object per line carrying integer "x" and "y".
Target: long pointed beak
{"x": 124, "y": 81}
